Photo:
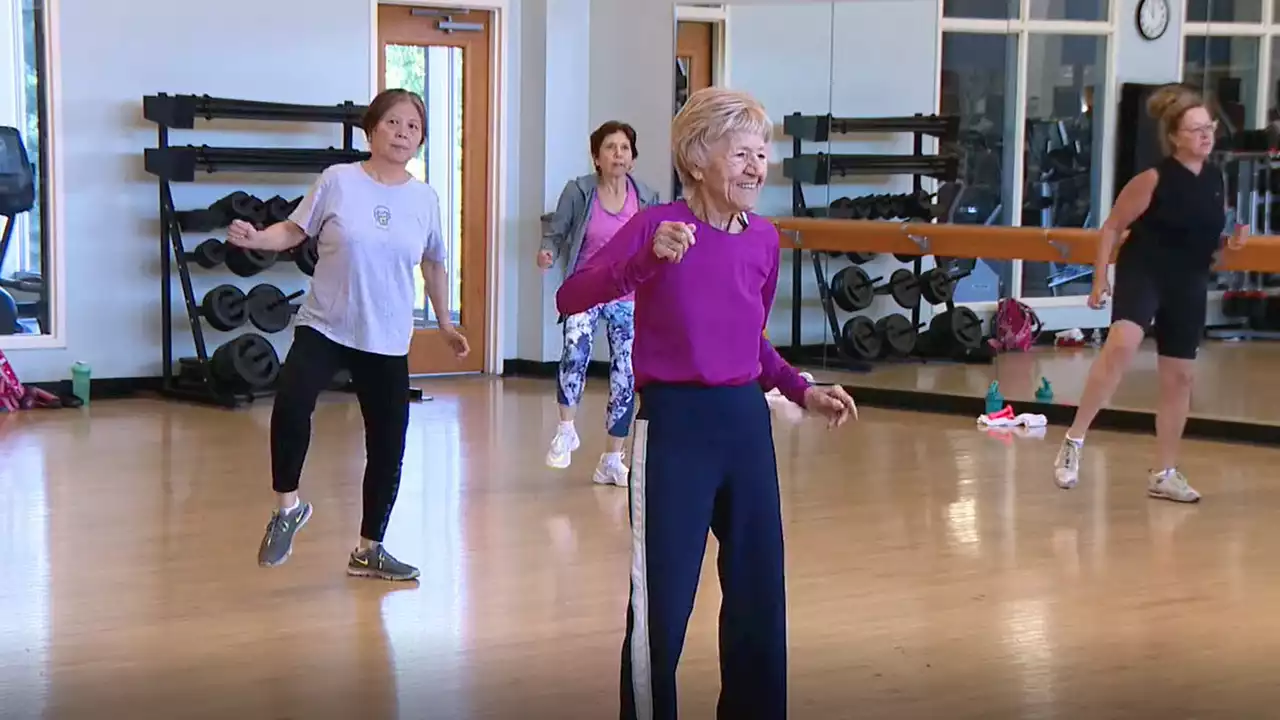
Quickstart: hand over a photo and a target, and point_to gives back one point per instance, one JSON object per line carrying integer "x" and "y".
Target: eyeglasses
{"x": 1209, "y": 129}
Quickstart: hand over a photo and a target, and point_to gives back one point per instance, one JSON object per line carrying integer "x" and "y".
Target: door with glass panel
{"x": 443, "y": 55}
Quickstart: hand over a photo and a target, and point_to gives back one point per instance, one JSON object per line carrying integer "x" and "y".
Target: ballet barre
{"x": 1075, "y": 246}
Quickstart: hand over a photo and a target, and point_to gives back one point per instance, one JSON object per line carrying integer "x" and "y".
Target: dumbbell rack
{"x": 173, "y": 163}
{"x": 820, "y": 168}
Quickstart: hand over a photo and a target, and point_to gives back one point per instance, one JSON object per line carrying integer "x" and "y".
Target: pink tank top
{"x": 602, "y": 224}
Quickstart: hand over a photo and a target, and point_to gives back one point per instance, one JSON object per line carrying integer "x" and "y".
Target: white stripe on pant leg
{"x": 641, "y": 670}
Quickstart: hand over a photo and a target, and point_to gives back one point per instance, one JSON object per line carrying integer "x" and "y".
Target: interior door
{"x": 694, "y": 52}
{"x": 444, "y": 56}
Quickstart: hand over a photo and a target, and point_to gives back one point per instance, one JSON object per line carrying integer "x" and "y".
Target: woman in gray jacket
{"x": 591, "y": 209}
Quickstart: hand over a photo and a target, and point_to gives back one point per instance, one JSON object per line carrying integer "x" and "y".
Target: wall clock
{"x": 1153, "y": 18}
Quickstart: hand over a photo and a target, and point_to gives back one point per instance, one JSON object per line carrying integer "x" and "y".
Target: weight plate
{"x": 851, "y": 289}
{"x": 860, "y": 339}
{"x": 248, "y": 362}
{"x": 247, "y": 263}
{"x": 958, "y": 328}
{"x": 904, "y": 287}
{"x": 307, "y": 255}
{"x": 269, "y": 309}
{"x": 898, "y": 334}
{"x": 224, "y": 307}
{"x": 937, "y": 286}
{"x": 967, "y": 327}
{"x": 249, "y": 208}
{"x": 209, "y": 254}
{"x": 277, "y": 209}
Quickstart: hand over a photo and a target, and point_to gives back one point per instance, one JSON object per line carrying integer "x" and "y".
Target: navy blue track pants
{"x": 703, "y": 458}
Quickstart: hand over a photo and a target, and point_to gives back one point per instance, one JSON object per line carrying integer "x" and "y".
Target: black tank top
{"x": 1182, "y": 227}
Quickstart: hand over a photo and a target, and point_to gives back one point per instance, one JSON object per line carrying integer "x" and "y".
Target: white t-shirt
{"x": 372, "y": 238}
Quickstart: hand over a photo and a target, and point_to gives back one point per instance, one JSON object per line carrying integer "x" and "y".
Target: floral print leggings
{"x": 620, "y": 321}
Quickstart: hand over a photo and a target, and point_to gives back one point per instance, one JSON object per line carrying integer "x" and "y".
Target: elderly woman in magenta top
{"x": 591, "y": 209}
{"x": 704, "y": 272}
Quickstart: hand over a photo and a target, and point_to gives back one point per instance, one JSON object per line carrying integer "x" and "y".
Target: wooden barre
{"x": 1074, "y": 246}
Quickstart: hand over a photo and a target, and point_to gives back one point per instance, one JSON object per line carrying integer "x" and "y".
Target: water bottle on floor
{"x": 80, "y": 381}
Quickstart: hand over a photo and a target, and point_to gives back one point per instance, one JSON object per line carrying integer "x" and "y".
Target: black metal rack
{"x": 173, "y": 163}
{"x": 820, "y": 168}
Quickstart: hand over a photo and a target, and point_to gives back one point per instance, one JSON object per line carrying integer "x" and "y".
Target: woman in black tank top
{"x": 1176, "y": 216}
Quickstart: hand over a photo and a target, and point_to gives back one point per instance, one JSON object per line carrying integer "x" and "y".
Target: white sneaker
{"x": 562, "y": 446}
{"x": 1066, "y": 468}
{"x": 1171, "y": 485}
{"x": 611, "y": 470}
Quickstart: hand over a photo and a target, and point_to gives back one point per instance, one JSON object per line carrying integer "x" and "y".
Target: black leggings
{"x": 1173, "y": 301}
{"x": 382, "y": 387}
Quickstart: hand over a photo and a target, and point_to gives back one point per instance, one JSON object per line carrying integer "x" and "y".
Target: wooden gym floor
{"x": 1234, "y": 380}
{"x": 934, "y": 571}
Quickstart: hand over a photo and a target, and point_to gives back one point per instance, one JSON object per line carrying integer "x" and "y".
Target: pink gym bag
{"x": 1015, "y": 326}
{"x": 11, "y": 391}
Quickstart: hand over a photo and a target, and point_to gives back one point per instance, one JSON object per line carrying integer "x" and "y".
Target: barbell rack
{"x": 184, "y": 163}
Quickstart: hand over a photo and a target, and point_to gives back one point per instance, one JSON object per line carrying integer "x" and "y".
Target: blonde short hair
{"x": 709, "y": 115}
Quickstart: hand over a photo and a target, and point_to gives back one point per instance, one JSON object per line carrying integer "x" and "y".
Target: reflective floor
{"x": 934, "y": 572}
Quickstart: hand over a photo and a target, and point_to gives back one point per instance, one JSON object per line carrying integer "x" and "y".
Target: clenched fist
{"x": 672, "y": 240}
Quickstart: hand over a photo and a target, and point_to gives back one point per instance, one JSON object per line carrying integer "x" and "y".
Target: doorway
{"x": 695, "y": 57}
{"x": 444, "y": 56}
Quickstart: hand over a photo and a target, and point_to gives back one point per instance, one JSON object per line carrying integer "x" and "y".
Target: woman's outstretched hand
{"x": 457, "y": 341}
{"x": 672, "y": 240}
{"x": 242, "y": 234}
{"x": 832, "y": 402}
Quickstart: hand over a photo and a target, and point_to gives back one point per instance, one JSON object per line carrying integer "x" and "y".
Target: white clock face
{"x": 1153, "y": 18}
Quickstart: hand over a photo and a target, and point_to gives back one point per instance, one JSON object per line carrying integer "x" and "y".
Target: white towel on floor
{"x": 1025, "y": 419}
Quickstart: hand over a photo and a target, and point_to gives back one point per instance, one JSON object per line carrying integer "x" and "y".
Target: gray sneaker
{"x": 376, "y": 562}
{"x": 277, "y": 543}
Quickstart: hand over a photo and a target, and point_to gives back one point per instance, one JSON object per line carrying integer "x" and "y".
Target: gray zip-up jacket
{"x": 569, "y": 223}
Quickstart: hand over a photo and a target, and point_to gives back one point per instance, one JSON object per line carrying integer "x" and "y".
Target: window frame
{"x": 50, "y": 198}
{"x": 1022, "y": 29}
{"x": 1265, "y": 30}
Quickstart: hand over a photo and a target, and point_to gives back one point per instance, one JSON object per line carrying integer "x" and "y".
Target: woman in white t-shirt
{"x": 376, "y": 224}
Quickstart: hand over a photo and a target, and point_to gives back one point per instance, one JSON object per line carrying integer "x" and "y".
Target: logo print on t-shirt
{"x": 382, "y": 216}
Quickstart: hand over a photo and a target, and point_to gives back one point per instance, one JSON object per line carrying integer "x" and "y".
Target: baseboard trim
{"x": 106, "y": 388}
{"x": 535, "y": 369}
{"x": 1234, "y": 431}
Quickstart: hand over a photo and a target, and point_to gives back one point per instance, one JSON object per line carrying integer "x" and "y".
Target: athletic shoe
{"x": 562, "y": 446}
{"x": 376, "y": 562}
{"x": 1066, "y": 468}
{"x": 1171, "y": 485}
{"x": 611, "y": 471}
{"x": 277, "y": 543}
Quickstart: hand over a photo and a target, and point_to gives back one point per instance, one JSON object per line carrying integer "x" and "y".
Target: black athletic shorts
{"x": 1175, "y": 302}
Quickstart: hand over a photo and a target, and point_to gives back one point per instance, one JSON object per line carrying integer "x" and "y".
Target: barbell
{"x": 951, "y": 332}
{"x": 227, "y": 307}
{"x": 853, "y": 289}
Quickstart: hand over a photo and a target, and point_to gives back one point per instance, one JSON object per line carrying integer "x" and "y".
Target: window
{"x": 1028, "y": 80}
{"x": 1062, "y": 166}
{"x": 23, "y": 275}
{"x": 979, "y": 85}
{"x": 1229, "y": 55}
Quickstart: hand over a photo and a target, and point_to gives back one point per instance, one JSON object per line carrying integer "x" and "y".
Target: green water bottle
{"x": 80, "y": 381}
